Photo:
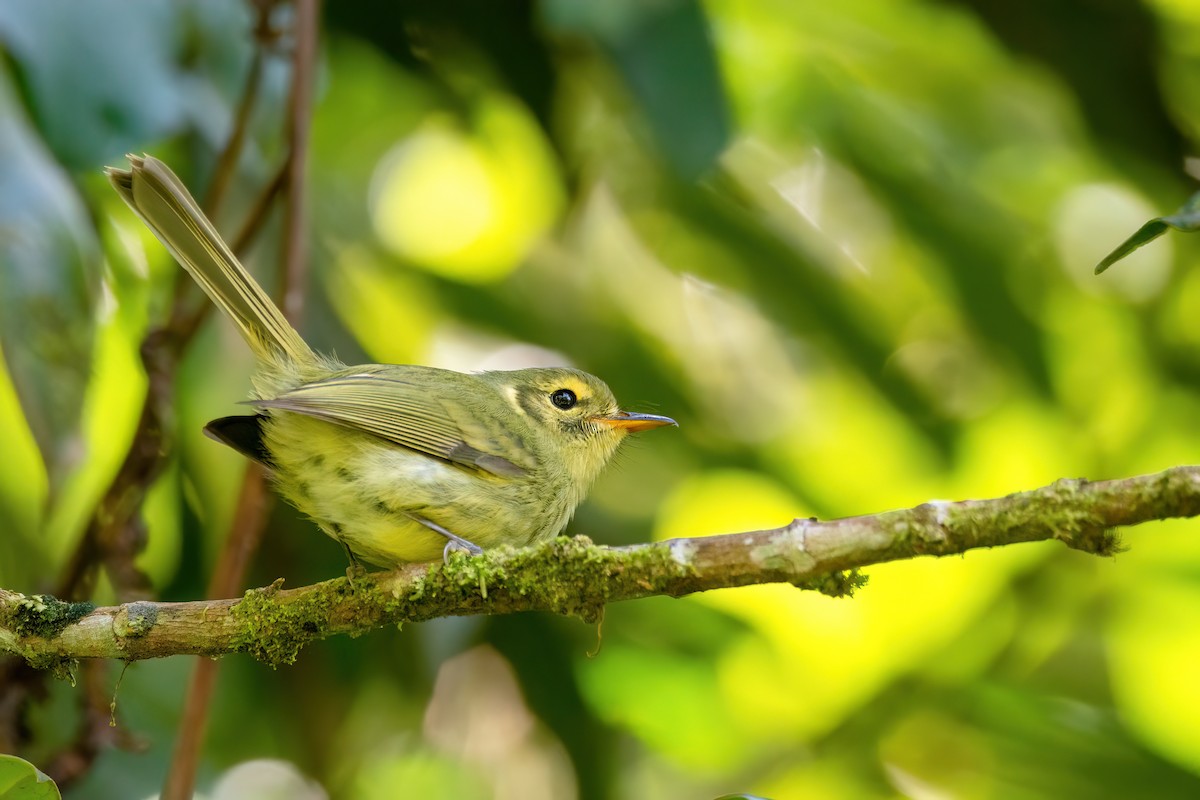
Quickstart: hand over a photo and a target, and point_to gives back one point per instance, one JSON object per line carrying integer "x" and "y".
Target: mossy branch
{"x": 576, "y": 577}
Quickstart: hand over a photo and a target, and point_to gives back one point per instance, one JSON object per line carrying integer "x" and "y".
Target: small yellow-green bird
{"x": 398, "y": 463}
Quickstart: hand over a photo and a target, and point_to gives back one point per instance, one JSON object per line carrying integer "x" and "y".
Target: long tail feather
{"x": 156, "y": 195}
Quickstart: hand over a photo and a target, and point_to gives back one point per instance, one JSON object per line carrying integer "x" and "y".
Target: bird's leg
{"x": 454, "y": 542}
{"x": 355, "y": 568}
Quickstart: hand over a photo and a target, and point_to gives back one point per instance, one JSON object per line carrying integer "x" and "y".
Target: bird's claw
{"x": 460, "y": 545}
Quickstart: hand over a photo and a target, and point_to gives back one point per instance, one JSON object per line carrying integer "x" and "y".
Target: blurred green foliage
{"x": 849, "y": 246}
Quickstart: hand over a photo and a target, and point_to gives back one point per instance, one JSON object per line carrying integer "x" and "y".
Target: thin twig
{"x": 227, "y": 162}
{"x": 250, "y": 520}
{"x": 115, "y": 534}
{"x": 295, "y": 253}
{"x": 573, "y": 576}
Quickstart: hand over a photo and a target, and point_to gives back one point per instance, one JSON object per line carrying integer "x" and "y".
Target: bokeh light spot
{"x": 468, "y": 203}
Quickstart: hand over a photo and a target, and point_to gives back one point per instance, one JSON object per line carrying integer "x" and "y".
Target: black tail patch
{"x": 243, "y": 433}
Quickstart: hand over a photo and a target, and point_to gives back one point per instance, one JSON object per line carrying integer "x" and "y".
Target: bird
{"x": 399, "y": 463}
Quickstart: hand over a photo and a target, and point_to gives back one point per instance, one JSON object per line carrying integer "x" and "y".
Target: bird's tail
{"x": 156, "y": 195}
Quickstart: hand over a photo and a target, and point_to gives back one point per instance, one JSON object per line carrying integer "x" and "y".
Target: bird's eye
{"x": 563, "y": 398}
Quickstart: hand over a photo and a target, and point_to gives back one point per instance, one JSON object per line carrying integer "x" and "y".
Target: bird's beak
{"x": 632, "y": 423}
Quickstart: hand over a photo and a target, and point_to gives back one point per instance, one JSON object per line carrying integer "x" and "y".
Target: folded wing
{"x": 411, "y": 414}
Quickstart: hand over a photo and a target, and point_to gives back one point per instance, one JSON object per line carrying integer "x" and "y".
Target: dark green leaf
{"x": 1187, "y": 219}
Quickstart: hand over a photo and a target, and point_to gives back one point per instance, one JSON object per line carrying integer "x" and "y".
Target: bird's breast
{"x": 367, "y": 492}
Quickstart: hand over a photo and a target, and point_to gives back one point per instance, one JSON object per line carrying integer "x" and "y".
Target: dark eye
{"x": 563, "y": 398}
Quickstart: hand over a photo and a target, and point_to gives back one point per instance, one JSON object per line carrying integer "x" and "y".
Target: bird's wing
{"x": 411, "y": 414}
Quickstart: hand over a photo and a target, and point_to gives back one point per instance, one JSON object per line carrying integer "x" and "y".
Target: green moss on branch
{"x": 578, "y": 578}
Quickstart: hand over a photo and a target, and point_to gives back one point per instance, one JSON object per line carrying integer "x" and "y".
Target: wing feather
{"x": 418, "y": 415}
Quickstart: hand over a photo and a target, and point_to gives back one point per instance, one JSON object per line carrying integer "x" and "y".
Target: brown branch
{"x": 573, "y": 576}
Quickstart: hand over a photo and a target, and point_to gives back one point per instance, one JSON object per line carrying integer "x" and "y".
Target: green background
{"x": 847, "y": 245}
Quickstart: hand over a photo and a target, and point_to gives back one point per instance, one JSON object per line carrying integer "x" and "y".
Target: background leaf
{"x": 49, "y": 279}
{"x": 20, "y": 780}
{"x": 1187, "y": 219}
{"x": 127, "y": 87}
{"x": 664, "y": 53}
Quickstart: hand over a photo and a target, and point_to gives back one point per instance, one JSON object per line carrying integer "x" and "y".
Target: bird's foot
{"x": 460, "y": 545}
{"x": 454, "y": 543}
{"x": 354, "y": 569}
